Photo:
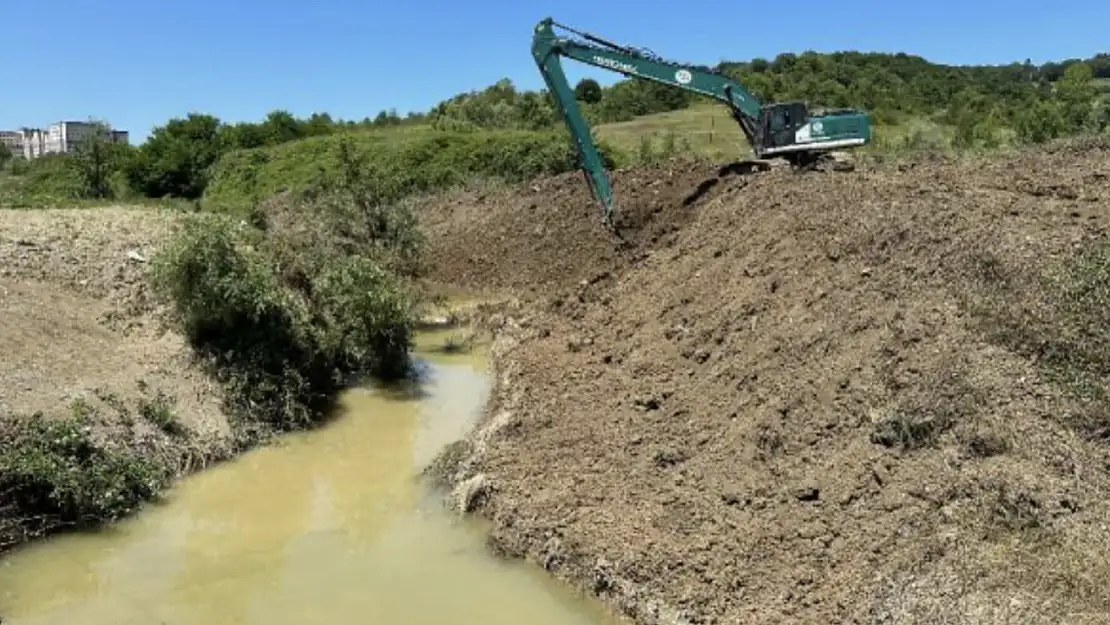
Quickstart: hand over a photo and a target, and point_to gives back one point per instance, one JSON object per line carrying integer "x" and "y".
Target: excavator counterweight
{"x": 787, "y": 130}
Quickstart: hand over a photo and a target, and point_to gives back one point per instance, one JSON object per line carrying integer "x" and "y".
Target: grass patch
{"x": 707, "y": 130}
{"x": 704, "y": 129}
{"x": 924, "y": 413}
{"x": 1009, "y": 510}
{"x": 49, "y": 178}
{"x": 459, "y": 343}
{"x": 985, "y": 444}
{"x": 159, "y": 411}
{"x": 52, "y": 183}
{"x": 1059, "y": 317}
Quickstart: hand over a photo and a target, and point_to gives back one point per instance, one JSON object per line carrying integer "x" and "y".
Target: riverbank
{"x": 327, "y": 526}
{"x": 90, "y": 268}
{"x": 858, "y": 398}
{"x": 84, "y": 346}
{"x": 106, "y": 400}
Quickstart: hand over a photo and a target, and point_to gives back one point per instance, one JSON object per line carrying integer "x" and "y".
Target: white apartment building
{"x": 61, "y": 138}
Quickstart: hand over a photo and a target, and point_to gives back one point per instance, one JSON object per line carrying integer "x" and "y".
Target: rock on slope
{"x": 793, "y": 399}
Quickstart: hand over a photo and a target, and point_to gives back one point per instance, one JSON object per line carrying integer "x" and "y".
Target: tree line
{"x": 1038, "y": 102}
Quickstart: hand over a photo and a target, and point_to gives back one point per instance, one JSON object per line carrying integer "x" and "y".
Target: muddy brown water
{"x": 331, "y": 526}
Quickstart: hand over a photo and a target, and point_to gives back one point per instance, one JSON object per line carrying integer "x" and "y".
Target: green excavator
{"x": 787, "y": 130}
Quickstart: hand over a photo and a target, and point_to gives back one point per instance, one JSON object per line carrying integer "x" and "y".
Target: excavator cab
{"x": 792, "y": 131}
{"x": 781, "y": 121}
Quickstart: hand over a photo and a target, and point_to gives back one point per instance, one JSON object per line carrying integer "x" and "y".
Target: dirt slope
{"x": 76, "y": 317}
{"x": 808, "y": 403}
{"x": 551, "y": 236}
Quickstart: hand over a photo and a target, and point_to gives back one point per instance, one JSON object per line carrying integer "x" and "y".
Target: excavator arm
{"x": 786, "y": 129}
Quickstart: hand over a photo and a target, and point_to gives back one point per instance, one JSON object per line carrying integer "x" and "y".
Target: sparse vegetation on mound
{"x": 1058, "y": 316}
{"x": 99, "y": 407}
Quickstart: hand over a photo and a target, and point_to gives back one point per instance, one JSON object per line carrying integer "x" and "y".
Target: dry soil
{"x": 77, "y": 321}
{"x": 776, "y": 403}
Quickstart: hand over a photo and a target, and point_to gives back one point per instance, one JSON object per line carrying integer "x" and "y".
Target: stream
{"x": 328, "y": 526}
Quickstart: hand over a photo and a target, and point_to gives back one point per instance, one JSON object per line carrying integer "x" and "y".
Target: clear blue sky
{"x": 136, "y": 63}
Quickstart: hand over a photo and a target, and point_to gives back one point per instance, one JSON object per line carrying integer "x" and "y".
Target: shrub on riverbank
{"x": 55, "y": 475}
{"x": 289, "y": 304}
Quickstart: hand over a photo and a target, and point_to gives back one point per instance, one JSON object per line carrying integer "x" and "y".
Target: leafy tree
{"x": 588, "y": 90}
{"x": 1041, "y": 122}
{"x": 319, "y": 124}
{"x": 175, "y": 160}
{"x": 1099, "y": 120}
{"x": 535, "y": 112}
{"x": 1076, "y": 92}
{"x": 242, "y": 136}
{"x": 280, "y": 126}
{"x": 96, "y": 158}
{"x": 5, "y": 154}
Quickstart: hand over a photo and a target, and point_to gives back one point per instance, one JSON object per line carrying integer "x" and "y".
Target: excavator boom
{"x": 785, "y": 130}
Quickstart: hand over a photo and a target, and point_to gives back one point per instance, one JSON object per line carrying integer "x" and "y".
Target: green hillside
{"x": 394, "y": 164}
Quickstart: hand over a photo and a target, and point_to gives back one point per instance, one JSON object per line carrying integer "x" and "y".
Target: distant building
{"x": 34, "y": 145}
{"x": 13, "y": 140}
{"x": 59, "y": 138}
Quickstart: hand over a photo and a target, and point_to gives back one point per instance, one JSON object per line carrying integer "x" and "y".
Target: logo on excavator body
{"x": 818, "y": 127}
{"x": 614, "y": 64}
{"x": 683, "y": 77}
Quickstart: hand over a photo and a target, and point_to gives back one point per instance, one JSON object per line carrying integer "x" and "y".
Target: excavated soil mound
{"x": 830, "y": 398}
{"x": 552, "y": 235}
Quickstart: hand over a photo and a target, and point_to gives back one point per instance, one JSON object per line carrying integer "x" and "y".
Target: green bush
{"x": 345, "y": 217}
{"x": 52, "y": 178}
{"x": 53, "y": 475}
{"x": 93, "y": 170}
{"x": 287, "y": 307}
{"x": 177, "y": 157}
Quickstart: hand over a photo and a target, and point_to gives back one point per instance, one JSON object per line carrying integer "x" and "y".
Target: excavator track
{"x": 820, "y": 161}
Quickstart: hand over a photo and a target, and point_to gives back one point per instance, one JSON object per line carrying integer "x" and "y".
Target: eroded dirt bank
{"x": 841, "y": 397}
{"x": 78, "y": 332}
{"x": 78, "y": 316}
